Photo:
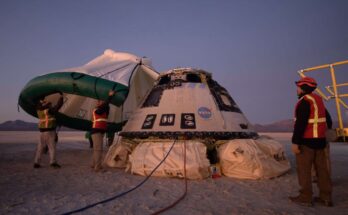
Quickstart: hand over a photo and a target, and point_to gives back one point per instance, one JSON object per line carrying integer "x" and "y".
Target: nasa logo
{"x": 204, "y": 112}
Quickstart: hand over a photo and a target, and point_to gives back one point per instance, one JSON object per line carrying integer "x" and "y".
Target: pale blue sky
{"x": 253, "y": 48}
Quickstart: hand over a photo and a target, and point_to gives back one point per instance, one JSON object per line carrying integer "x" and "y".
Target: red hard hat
{"x": 307, "y": 81}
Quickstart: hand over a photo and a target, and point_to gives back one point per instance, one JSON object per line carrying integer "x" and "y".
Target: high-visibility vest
{"x": 316, "y": 126}
{"x": 100, "y": 120}
{"x": 46, "y": 120}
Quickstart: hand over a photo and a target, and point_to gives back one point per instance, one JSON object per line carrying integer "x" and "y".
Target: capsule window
{"x": 193, "y": 78}
{"x": 164, "y": 80}
{"x": 222, "y": 98}
{"x": 153, "y": 99}
{"x": 225, "y": 100}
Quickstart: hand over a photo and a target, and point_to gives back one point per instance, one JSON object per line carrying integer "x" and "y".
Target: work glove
{"x": 295, "y": 149}
{"x": 111, "y": 93}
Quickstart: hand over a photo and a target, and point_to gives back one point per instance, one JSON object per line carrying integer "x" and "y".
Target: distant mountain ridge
{"x": 286, "y": 125}
{"x": 20, "y": 125}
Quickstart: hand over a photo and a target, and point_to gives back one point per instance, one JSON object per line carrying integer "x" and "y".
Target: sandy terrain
{"x": 48, "y": 191}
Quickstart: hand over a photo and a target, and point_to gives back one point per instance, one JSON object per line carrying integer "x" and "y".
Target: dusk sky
{"x": 252, "y": 48}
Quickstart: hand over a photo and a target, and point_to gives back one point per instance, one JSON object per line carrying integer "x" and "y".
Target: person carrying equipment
{"x": 99, "y": 127}
{"x": 47, "y": 126}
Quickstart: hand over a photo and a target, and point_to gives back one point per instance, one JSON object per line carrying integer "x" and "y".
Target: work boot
{"x": 55, "y": 165}
{"x": 327, "y": 203}
{"x": 300, "y": 201}
{"x": 36, "y": 165}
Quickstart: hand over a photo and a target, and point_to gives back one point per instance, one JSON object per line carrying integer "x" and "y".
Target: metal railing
{"x": 341, "y": 131}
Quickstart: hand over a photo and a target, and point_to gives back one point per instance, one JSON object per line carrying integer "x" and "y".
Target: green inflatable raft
{"x": 76, "y": 84}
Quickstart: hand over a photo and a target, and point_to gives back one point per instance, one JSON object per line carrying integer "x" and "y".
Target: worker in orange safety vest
{"x": 99, "y": 127}
{"x": 309, "y": 143}
{"x": 47, "y": 126}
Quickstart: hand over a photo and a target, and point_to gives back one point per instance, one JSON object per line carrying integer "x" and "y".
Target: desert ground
{"x": 25, "y": 190}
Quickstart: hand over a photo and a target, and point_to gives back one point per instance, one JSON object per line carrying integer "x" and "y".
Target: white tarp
{"x": 113, "y": 66}
{"x": 147, "y": 155}
{"x": 118, "y": 154}
{"x": 127, "y": 69}
{"x": 262, "y": 158}
{"x": 253, "y": 159}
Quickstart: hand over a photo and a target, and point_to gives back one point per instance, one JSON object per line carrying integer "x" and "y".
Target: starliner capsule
{"x": 188, "y": 111}
{"x": 188, "y": 103}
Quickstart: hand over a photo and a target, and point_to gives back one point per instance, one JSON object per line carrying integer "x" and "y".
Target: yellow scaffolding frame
{"x": 341, "y": 132}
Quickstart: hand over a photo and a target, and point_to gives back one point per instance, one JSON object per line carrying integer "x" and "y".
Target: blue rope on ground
{"x": 124, "y": 193}
{"x": 185, "y": 192}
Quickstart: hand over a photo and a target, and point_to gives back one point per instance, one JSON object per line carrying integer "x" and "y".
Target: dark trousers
{"x": 97, "y": 150}
{"x": 304, "y": 162}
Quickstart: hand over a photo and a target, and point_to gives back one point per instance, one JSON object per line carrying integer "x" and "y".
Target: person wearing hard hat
{"x": 309, "y": 142}
{"x": 99, "y": 127}
{"x": 47, "y": 125}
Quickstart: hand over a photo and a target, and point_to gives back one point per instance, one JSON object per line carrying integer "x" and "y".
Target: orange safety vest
{"x": 100, "y": 120}
{"x": 316, "y": 126}
{"x": 46, "y": 120}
